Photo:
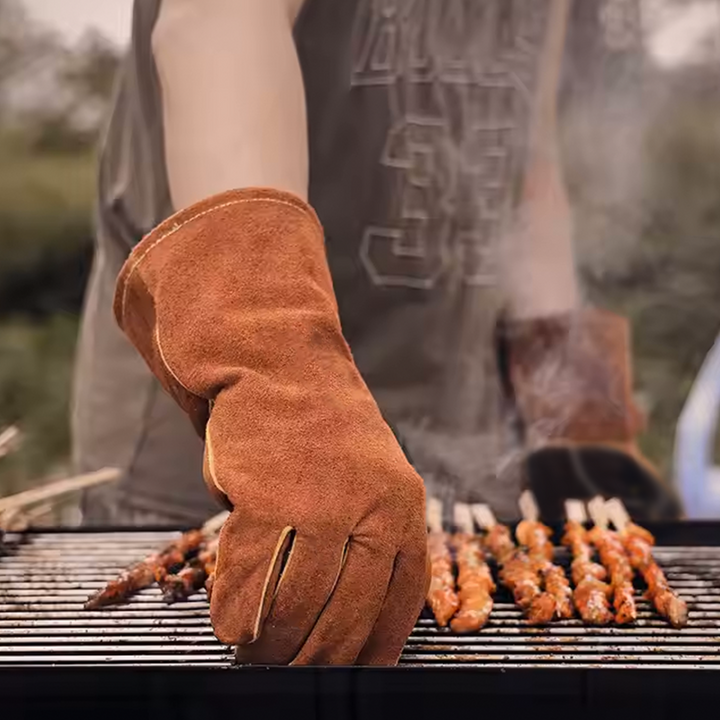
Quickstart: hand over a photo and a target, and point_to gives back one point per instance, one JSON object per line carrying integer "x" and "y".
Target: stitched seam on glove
{"x": 271, "y": 570}
{"x": 191, "y": 219}
{"x": 211, "y": 460}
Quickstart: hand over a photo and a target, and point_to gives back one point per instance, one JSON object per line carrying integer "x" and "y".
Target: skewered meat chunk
{"x": 638, "y": 544}
{"x": 536, "y": 538}
{"x": 582, "y": 566}
{"x": 441, "y": 598}
{"x": 590, "y": 594}
{"x": 475, "y": 582}
{"x": 500, "y": 543}
{"x": 613, "y": 557}
{"x": 557, "y": 585}
{"x": 520, "y": 577}
{"x": 180, "y": 586}
{"x": 143, "y": 574}
{"x": 591, "y": 600}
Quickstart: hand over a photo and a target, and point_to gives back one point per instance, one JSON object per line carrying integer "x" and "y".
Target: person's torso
{"x": 418, "y": 114}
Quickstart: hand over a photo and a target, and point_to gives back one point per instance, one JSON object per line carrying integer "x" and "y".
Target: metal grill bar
{"x": 45, "y": 580}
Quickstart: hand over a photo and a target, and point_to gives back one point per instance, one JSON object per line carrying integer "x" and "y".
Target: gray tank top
{"x": 418, "y": 113}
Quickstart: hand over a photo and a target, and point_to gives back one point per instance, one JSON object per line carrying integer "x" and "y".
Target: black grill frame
{"x": 405, "y": 691}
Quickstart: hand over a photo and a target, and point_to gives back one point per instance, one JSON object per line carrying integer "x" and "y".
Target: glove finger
{"x": 400, "y": 610}
{"x": 311, "y": 573}
{"x": 249, "y": 562}
{"x": 347, "y": 620}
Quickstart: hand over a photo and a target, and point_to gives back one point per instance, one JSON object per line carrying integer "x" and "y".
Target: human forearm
{"x": 233, "y": 97}
{"x": 539, "y": 264}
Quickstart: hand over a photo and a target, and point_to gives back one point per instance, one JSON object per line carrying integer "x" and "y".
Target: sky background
{"x": 681, "y": 26}
{"x": 73, "y": 17}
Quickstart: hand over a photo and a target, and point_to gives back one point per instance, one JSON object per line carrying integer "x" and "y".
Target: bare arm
{"x": 540, "y": 271}
{"x": 233, "y": 97}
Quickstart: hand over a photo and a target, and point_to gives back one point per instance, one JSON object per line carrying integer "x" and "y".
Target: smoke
{"x": 461, "y": 78}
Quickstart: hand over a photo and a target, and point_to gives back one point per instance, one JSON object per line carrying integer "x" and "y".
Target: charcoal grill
{"x": 146, "y": 652}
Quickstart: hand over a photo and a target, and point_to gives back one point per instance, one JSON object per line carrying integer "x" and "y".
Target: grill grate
{"x": 45, "y": 579}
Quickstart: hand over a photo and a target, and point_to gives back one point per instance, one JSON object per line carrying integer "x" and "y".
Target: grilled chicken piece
{"x": 582, "y": 566}
{"x": 181, "y": 586}
{"x": 500, "y": 543}
{"x": 614, "y": 558}
{"x": 193, "y": 577}
{"x": 520, "y": 577}
{"x": 590, "y": 594}
{"x": 475, "y": 584}
{"x": 592, "y": 602}
{"x": 638, "y": 544}
{"x": 441, "y": 598}
{"x": 633, "y": 530}
{"x": 535, "y": 537}
{"x": 557, "y": 585}
{"x": 142, "y": 575}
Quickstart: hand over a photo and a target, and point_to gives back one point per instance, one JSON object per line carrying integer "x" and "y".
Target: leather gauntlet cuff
{"x": 572, "y": 380}
{"x": 184, "y": 289}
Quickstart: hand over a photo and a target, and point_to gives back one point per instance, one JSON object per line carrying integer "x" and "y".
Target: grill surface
{"x": 45, "y": 578}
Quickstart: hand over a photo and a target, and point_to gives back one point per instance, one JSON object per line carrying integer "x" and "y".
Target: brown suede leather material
{"x": 572, "y": 379}
{"x": 323, "y": 558}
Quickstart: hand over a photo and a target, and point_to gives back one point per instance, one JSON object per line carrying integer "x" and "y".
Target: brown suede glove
{"x": 323, "y": 558}
{"x": 572, "y": 381}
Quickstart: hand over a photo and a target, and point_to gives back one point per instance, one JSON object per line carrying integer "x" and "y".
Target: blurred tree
{"x": 94, "y": 67}
{"x": 52, "y": 102}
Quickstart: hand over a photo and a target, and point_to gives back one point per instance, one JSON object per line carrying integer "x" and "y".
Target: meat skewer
{"x": 475, "y": 583}
{"x": 143, "y": 574}
{"x": 637, "y": 543}
{"x": 516, "y": 570}
{"x": 613, "y": 557}
{"x": 441, "y": 598}
{"x": 193, "y": 577}
{"x": 474, "y": 580}
{"x": 591, "y": 593}
{"x": 535, "y": 537}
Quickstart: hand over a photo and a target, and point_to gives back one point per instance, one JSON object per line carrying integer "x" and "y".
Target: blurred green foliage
{"x": 47, "y": 186}
{"x": 45, "y": 247}
{"x": 36, "y": 361}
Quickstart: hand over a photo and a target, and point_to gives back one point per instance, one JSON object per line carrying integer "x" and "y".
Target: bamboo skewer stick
{"x": 55, "y": 490}
{"x": 9, "y": 440}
